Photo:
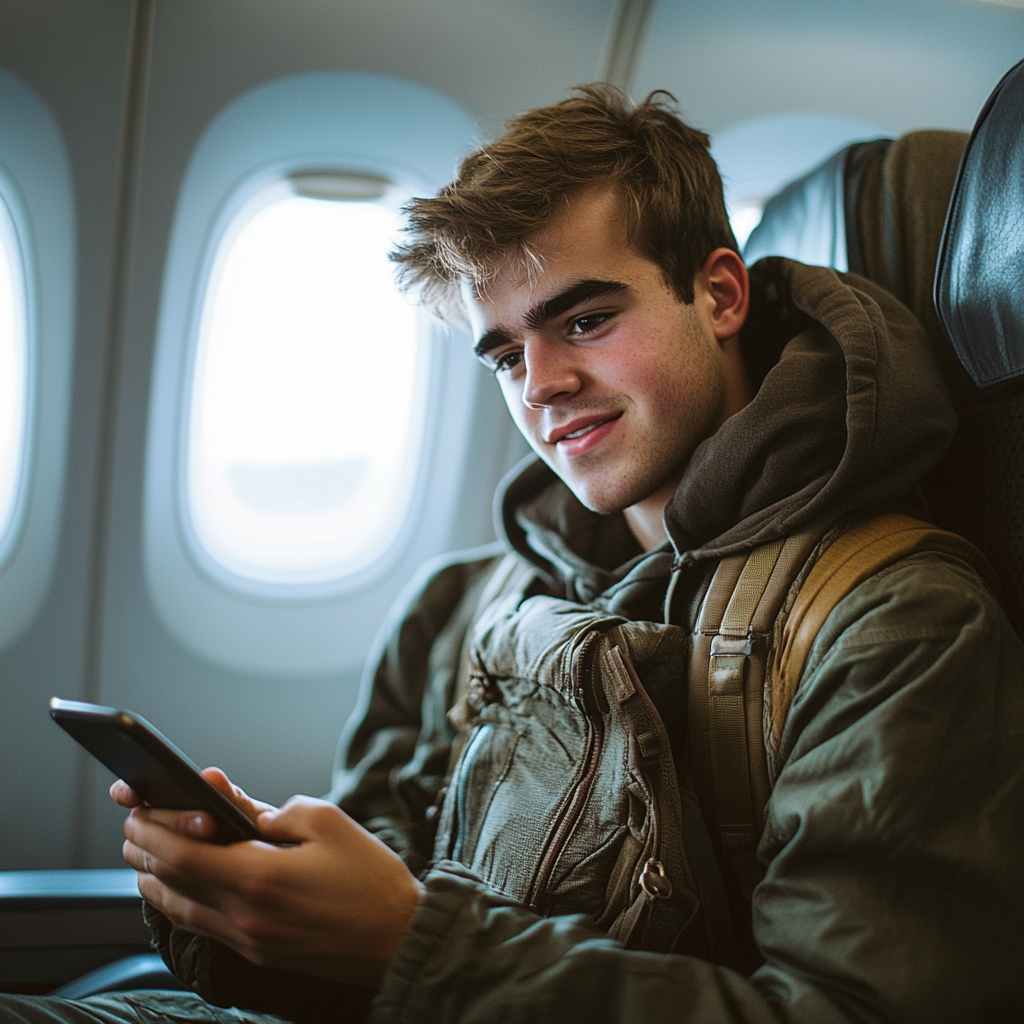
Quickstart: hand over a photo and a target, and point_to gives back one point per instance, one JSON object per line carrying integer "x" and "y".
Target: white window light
{"x": 37, "y": 301}
{"x": 307, "y": 400}
{"x": 13, "y": 376}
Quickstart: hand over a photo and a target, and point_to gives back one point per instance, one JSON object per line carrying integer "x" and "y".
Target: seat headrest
{"x": 805, "y": 220}
{"x": 813, "y": 219}
{"x": 979, "y": 277}
{"x": 901, "y": 209}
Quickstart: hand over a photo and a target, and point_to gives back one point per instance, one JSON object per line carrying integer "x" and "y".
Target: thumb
{"x": 245, "y": 803}
{"x": 302, "y": 819}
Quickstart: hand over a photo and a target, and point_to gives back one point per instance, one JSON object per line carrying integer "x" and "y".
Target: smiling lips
{"x": 582, "y": 434}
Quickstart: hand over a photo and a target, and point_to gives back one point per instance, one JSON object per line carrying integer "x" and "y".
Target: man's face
{"x": 611, "y": 379}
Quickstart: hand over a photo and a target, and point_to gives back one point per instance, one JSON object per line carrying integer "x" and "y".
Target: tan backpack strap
{"x": 726, "y": 692}
{"x": 852, "y": 558}
{"x": 732, "y": 699}
{"x": 730, "y": 652}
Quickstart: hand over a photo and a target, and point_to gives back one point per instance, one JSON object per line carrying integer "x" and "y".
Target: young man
{"x": 680, "y": 416}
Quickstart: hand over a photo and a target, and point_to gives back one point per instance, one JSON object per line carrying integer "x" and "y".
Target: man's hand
{"x": 337, "y": 904}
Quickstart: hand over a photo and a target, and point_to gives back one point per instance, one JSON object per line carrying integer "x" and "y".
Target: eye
{"x": 588, "y": 323}
{"x": 508, "y": 360}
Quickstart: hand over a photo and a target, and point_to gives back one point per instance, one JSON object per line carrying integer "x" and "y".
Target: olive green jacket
{"x": 893, "y": 884}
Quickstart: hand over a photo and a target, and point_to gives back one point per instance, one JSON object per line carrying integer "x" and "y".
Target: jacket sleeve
{"x": 395, "y": 726}
{"x": 393, "y": 755}
{"x": 893, "y": 846}
{"x": 224, "y": 978}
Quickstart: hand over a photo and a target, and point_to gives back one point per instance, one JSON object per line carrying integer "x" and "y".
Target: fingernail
{"x": 196, "y": 825}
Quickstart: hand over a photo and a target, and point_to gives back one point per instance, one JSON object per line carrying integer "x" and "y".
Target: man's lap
{"x": 140, "y": 1007}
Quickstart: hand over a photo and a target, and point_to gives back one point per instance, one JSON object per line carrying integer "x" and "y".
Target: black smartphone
{"x": 151, "y": 764}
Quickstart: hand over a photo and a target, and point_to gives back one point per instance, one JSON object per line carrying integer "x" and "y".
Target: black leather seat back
{"x": 979, "y": 279}
{"x": 978, "y": 489}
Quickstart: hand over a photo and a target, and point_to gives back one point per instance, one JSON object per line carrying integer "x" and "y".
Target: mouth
{"x": 569, "y": 435}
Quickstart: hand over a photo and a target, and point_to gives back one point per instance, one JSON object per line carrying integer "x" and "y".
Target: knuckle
{"x": 149, "y": 889}
{"x": 254, "y": 927}
{"x": 180, "y": 821}
{"x": 185, "y": 915}
{"x": 257, "y": 888}
{"x": 255, "y": 953}
{"x": 323, "y": 815}
{"x": 175, "y": 862}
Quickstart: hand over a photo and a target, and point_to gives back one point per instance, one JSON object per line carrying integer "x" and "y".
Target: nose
{"x": 550, "y": 372}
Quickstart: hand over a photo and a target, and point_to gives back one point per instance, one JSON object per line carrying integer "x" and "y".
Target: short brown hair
{"x": 505, "y": 191}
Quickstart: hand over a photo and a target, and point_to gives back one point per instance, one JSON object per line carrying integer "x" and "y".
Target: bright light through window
{"x": 306, "y": 404}
{"x": 13, "y": 370}
{"x": 743, "y": 221}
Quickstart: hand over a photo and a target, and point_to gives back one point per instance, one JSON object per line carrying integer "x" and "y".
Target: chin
{"x": 614, "y": 492}
{"x": 604, "y": 500}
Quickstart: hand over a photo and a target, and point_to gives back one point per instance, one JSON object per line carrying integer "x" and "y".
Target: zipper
{"x": 459, "y": 817}
{"x": 572, "y": 808}
{"x": 653, "y": 880}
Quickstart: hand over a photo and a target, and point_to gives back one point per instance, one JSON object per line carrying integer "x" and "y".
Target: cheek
{"x": 653, "y": 388}
{"x": 686, "y": 401}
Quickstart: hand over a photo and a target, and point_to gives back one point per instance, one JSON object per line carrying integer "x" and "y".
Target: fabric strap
{"x": 741, "y": 662}
{"x": 854, "y": 557}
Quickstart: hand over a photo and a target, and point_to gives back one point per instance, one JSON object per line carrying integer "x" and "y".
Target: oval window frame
{"x": 35, "y": 174}
{"x": 362, "y": 124}
{"x": 16, "y": 240}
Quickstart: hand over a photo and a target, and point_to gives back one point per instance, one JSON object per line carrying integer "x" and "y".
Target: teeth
{"x": 581, "y": 432}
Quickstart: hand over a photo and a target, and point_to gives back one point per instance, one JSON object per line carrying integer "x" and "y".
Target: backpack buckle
{"x": 727, "y": 664}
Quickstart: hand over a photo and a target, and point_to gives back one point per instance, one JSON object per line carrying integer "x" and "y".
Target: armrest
{"x": 56, "y": 925}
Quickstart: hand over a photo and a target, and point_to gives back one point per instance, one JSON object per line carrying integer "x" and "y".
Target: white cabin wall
{"x": 900, "y": 64}
{"x": 72, "y": 55}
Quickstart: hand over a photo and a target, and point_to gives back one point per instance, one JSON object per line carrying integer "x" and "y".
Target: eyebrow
{"x": 548, "y": 309}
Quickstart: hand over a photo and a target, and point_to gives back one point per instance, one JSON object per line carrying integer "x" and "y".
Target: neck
{"x": 646, "y": 519}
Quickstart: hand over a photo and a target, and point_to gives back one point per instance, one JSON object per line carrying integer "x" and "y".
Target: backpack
{"x": 567, "y": 796}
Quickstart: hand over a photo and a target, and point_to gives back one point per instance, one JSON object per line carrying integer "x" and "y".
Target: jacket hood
{"x": 850, "y": 413}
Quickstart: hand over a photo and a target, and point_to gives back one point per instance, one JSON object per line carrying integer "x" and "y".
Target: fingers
{"x": 338, "y": 893}
{"x": 187, "y": 823}
{"x": 193, "y": 823}
{"x": 252, "y": 808}
{"x": 123, "y": 794}
{"x": 177, "y": 857}
{"x": 195, "y": 914}
{"x": 304, "y": 818}
{"x": 135, "y": 857}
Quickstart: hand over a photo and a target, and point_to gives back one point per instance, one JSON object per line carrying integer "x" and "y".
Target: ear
{"x": 724, "y": 278}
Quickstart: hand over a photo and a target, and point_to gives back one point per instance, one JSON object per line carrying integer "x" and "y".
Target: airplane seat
{"x": 74, "y": 933}
{"x": 130, "y": 973}
{"x": 812, "y": 220}
{"x": 978, "y": 488}
{"x": 935, "y": 217}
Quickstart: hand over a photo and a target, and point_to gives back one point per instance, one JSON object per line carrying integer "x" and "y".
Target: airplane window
{"x": 13, "y": 375}
{"x": 307, "y": 391}
{"x": 308, "y": 430}
{"x": 37, "y": 302}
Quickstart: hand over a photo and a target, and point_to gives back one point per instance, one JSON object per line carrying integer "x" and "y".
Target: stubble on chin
{"x": 607, "y": 489}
